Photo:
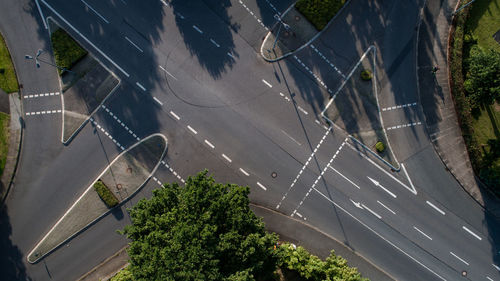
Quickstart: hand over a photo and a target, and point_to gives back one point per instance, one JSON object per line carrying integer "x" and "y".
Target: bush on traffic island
{"x": 380, "y": 147}
{"x": 366, "y": 75}
{"x": 105, "y": 194}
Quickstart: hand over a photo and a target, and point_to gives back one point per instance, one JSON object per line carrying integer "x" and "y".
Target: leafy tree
{"x": 482, "y": 81}
{"x": 203, "y": 231}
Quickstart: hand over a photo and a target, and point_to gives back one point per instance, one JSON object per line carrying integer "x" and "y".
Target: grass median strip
{"x": 67, "y": 52}
{"x": 4, "y": 138}
{"x": 8, "y": 80}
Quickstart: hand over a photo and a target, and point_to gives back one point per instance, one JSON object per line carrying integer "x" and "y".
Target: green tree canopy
{"x": 203, "y": 231}
{"x": 482, "y": 81}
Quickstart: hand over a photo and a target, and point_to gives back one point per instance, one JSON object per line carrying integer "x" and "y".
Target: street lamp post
{"x": 38, "y": 60}
{"x": 286, "y": 26}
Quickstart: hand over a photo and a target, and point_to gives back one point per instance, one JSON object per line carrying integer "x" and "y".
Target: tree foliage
{"x": 203, "y": 231}
{"x": 482, "y": 81}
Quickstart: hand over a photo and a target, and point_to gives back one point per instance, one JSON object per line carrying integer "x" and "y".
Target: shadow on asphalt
{"x": 11, "y": 260}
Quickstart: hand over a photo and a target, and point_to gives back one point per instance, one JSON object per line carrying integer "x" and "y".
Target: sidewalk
{"x": 437, "y": 103}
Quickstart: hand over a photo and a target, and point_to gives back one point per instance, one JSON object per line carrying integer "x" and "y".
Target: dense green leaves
{"x": 319, "y": 12}
{"x": 482, "y": 81}
{"x": 204, "y": 231}
{"x": 67, "y": 52}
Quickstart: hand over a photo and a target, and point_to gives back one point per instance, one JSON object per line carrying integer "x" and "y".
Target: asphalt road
{"x": 191, "y": 70}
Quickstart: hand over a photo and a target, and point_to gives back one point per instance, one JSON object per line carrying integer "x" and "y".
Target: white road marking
{"x": 423, "y": 233}
{"x": 133, "y": 44}
{"x": 408, "y": 177}
{"x": 496, "y": 266}
{"x": 42, "y": 112}
{"x": 197, "y": 29}
{"x": 371, "y": 211}
{"x": 357, "y": 204}
{"x": 167, "y": 72}
{"x": 85, "y": 38}
{"x": 399, "y": 106}
{"x": 215, "y": 43}
{"x": 255, "y": 17}
{"x": 227, "y": 158}
{"x": 435, "y": 208}
{"x": 459, "y": 258}
{"x": 347, "y": 179}
{"x": 192, "y": 130}
{"x": 376, "y": 183}
{"x": 231, "y": 55}
{"x": 165, "y": 3}
{"x": 267, "y": 83}
{"x": 244, "y": 172}
{"x": 140, "y": 86}
{"x": 291, "y": 138}
{"x": 158, "y": 101}
{"x": 173, "y": 172}
{"x": 261, "y": 186}
{"x": 314, "y": 75}
{"x": 41, "y": 95}
{"x": 386, "y": 207}
{"x": 107, "y": 134}
{"x": 303, "y": 111}
{"x": 299, "y": 214}
{"x": 404, "y": 126}
{"x": 175, "y": 115}
{"x": 41, "y": 14}
{"x": 487, "y": 277}
{"x": 327, "y": 61}
{"x": 93, "y": 10}
{"x": 472, "y": 233}
{"x": 210, "y": 144}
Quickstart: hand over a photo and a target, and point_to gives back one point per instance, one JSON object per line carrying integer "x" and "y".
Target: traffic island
{"x": 121, "y": 179}
{"x": 354, "y": 107}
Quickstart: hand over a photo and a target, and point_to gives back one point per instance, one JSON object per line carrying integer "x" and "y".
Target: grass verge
{"x": 67, "y": 51}
{"x": 4, "y": 139}
{"x": 319, "y": 12}
{"x": 105, "y": 194}
{"x": 8, "y": 80}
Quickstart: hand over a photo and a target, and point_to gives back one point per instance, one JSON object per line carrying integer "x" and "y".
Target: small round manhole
{"x": 297, "y": 18}
{"x": 464, "y": 273}
{"x": 129, "y": 170}
{"x": 274, "y": 175}
{"x": 119, "y": 186}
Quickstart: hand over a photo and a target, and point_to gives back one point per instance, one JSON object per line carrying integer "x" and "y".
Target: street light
{"x": 38, "y": 60}
{"x": 286, "y": 26}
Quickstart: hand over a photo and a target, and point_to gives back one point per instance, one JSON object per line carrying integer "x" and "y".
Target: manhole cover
{"x": 119, "y": 186}
{"x": 274, "y": 175}
{"x": 297, "y": 18}
{"x": 464, "y": 273}
{"x": 129, "y": 170}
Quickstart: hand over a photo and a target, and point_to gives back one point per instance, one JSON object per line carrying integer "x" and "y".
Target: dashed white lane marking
{"x": 227, "y": 158}
{"x": 192, "y": 130}
{"x": 120, "y": 122}
{"x": 496, "y": 266}
{"x": 93, "y": 10}
{"x": 140, "y": 86}
{"x": 253, "y": 14}
{"x": 173, "y": 172}
{"x": 210, "y": 144}
{"x": 435, "y": 208}
{"x": 399, "y": 106}
{"x": 158, "y": 101}
{"x": 302, "y": 169}
{"x": 489, "y": 278}
{"x": 303, "y": 110}
{"x": 107, "y": 134}
{"x": 166, "y": 71}
{"x": 371, "y": 211}
{"x": 244, "y": 172}
{"x": 404, "y": 126}
{"x": 327, "y": 61}
{"x": 231, "y": 55}
{"x": 214, "y": 42}
{"x": 40, "y": 95}
{"x": 133, "y": 44}
{"x": 472, "y": 233}
{"x": 261, "y": 186}
{"x": 267, "y": 83}
{"x": 272, "y": 7}
{"x": 387, "y": 208}
{"x": 42, "y": 112}
{"x": 423, "y": 233}
{"x": 299, "y": 214}
{"x": 165, "y": 3}
{"x": 459, "y": 258}
{"x": 346, "y": 178}
{"x": 175, "y": 115}
{"x": 313, "y": 74}
{"x": 197, "y": 29}
{"x": 291, "y": 138}
{"x": 157, "y": 181}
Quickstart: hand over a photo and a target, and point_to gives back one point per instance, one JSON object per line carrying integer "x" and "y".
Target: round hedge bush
{"x": 380, "y": 147}
{"x": 366, "y": 75}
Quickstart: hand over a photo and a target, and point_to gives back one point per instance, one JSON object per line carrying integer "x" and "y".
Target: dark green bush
{"x": 106, "y": 195}
{"x": 67, "y": 52}
{"x": 319, "y": 12}
{"x": 380, "y": 147}
{"x": 366, "y": 75}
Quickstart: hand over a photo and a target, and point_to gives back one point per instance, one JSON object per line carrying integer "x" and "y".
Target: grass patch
{"x": 4, "y": 139}
{"x": 483, "y": 22}
{"x": 105, "y": 194}
{"x": 8, "y": 80}
{"x": 319, "y": 12}
{"x": 67, "y": 51}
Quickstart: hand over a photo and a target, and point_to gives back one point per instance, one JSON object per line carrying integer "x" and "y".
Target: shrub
{"x": 366, "y": 75}
{"x": 319, "y": 12}
{"x": 105, "y": 194}
{"x": 380, "y": 147}
{"x": 67, "y": 52}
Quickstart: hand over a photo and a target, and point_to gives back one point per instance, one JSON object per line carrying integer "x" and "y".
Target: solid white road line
{"x": 175, "y": 115}
{"x": 192, "y": 130}
{"x": 93, "y": 10}
{"x": 167, "y": 72}
{"x": 140, "y": 86}
{"x": 386, "y": 207}
{"x": 133, "y": 44}
{"x": 347, "y": 179}
{"x": 158, "y": 101}
{"x": 215, "y": 43}
{"x": 261, "y": 186}
{"x": 85, "y": 38}
{"x": 459, "y": 258}
{"x": 210, "y": 144}
{"x": 489, "y": 278}
{"x": 267, "y": 83}
{"x": 41, "y": 14}
{"x": 421, "y": 232}
{"x": 291, "y": 138}
{"x": 371, "y": 211}
{"x": 496, "y": 267}
{"x": 408, "y": 177}
{"x": 244, "y": 172}
{"x": 231, "y": 55}
{"x": 197, "y": 29}
{"x": 472, "y": 233}
{"x": 435, "y": 208}
{"x": 376, "y": 183}
{"x": 227, "y": 158}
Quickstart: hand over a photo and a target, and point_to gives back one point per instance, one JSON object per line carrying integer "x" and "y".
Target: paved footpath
{"x": 441, "y": 118}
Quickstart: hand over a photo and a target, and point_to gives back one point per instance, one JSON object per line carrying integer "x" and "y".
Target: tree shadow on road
{"x": 11, "y": 260}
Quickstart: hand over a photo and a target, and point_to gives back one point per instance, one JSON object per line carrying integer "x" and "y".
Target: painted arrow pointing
{"x": 376, "y": 183}
{"x": 357, "y": 204}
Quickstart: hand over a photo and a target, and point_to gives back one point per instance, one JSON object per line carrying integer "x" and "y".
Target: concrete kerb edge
{"x": 95, "y": 268}
{"x": 308, "y": 42}
{"x": 90, "y": 188}
{"x": 323, "y": 233}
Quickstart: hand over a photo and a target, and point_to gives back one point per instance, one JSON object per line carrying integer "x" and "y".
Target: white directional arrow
{"x": 357, "y": 204}
{"x": 376, "y": 183}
